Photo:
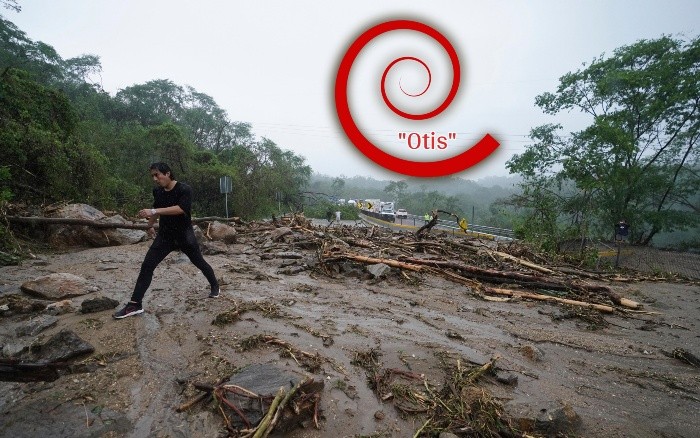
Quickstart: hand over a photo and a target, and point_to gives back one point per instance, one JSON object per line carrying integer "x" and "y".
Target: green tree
{"x": 636, "y": 160}
{"x": 337, "y": 185}
{"x": 397, "y": 189}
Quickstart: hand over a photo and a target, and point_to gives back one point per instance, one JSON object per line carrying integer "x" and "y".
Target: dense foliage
{"x": 64, "y": 138}
{"x": 638, "y": 159}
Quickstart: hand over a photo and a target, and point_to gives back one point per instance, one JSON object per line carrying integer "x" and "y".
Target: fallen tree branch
{"x": 99, "y": 224}
{"x": 540, "y": 297}
{"x": 389, "y": 262}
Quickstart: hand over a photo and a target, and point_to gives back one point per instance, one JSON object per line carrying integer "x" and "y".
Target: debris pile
{"x": 488, "y": 269}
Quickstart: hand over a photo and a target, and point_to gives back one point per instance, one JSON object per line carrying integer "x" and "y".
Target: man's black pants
{"x": 161, "y": 247}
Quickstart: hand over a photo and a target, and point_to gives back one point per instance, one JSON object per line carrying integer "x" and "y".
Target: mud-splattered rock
{"x": 98, "y": 304}
{"x": 214, "y": 248}
{"x": 60, "y": 307}
{"x": 118, "y": 236}
{"x": 57, "y": 286}
{"x": 378, "y": 270}
{"x": 221, "y": 232}
{"x": 265, "y": 380}
{"x": 550, "y": 420}
{"x": 506, "y": 378}
{"x": 36, "y": 325}
{"x": 72, "y": 235}
{"x": 559, "y": 422}
{"x": 279, "y": 233}
{"x": 62, "y": 346}
{"x": 533, "y": 353}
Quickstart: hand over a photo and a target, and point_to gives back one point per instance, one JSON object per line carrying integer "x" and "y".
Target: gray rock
{"x": 62, "y": 346}
{"x": 533, "y": 353}
{"x": 214, "y": 248}
{"x": 550, "y": 420}
{"x": 265, "y": 380}
{"x": 98, "y": 304}
{"x": 13, "y": 349}
{"x": 70, "y": 235}
{"x": 221, "y": 232}
{"x": 447, "y": 435}
{"x": 378, "y": 270}
{"x": 57, "y": 286}
{"x": 60, "y": 307}
{"x": 559, "y": 422}
{"x": 119, "y": 236}
{"x": 506, "y": 378}
{"x": 36, "y": 325}
{"x": 279, "y": 233}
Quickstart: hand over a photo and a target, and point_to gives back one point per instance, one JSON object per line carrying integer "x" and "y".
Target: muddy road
{"x": 610, "y": 369}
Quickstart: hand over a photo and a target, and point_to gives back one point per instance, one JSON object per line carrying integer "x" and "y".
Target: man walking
{"x": 172, "y": 204}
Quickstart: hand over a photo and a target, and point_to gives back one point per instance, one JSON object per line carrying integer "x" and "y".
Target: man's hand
{"x": 151, "y": 232}
{"x": 146, "y": 212}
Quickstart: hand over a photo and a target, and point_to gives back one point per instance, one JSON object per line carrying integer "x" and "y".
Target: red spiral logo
{"x": 448, "y": 166}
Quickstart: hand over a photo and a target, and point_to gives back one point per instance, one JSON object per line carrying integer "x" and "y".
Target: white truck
{"x": 387, "y": 207}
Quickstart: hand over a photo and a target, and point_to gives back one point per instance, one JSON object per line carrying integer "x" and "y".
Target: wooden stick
{"x": 268, "y": 417}
{"x": 185, "y": 406}
{"x": 283, "y": 404}
{"x": 523, "y": 262}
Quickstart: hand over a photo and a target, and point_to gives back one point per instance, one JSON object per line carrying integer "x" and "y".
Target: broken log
{"x": 427, "y": 227}
{"x": 98, "y": 224}
{"x": 389, "y": 262}
{"x": 73, "y": 221}
{"x": 540, "y": 297}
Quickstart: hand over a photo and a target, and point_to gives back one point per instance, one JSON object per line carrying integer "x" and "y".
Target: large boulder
{"x": 219, "y": 231}
{"x": 83, "y": 235}
{"x": 120, "y": 236}
{"x": 58, "y": 286}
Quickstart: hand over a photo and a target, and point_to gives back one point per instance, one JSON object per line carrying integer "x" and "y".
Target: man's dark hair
{"x": 162, "y": 168}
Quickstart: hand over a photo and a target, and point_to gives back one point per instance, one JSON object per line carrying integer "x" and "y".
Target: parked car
{"x": 401, "y": 214}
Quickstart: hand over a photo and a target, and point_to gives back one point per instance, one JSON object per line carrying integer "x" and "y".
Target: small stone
{"x": 378, "y": 270}
{"x": 533, "y": 353}
{"x": 60, "y": 307}
{"x": 507, "y": 378}
{"x": 379, "y": 415}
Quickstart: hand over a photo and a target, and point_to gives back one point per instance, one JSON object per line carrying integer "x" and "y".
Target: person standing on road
{"x": 622, "y": 230}
{"x": 337, "y": 215}
{"x": 172, "y": 205}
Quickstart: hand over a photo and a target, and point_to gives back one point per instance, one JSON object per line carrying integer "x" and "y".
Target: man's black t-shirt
{"x": 181, "y": 195}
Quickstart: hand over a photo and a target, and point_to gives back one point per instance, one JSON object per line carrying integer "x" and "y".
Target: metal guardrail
{"x": 419, "y": 221}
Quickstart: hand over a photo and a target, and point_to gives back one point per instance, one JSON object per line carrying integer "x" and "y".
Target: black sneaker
{"x": 214, "y": 294}
{"x": 129, "y": 310}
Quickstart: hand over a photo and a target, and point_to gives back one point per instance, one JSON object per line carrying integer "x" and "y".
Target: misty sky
{"x": 274, "y": 63}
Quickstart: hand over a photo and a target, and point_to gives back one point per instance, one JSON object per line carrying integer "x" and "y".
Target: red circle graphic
{"x": 458, "y": 163}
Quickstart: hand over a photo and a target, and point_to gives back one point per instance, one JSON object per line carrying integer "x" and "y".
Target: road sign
{"x": 225, "y": 184}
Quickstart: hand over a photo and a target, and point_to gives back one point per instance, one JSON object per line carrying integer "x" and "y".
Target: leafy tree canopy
{"x": 638, "y": 158}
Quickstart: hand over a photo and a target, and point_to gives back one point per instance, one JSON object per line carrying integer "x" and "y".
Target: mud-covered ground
{"x": 610, "y": 369}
